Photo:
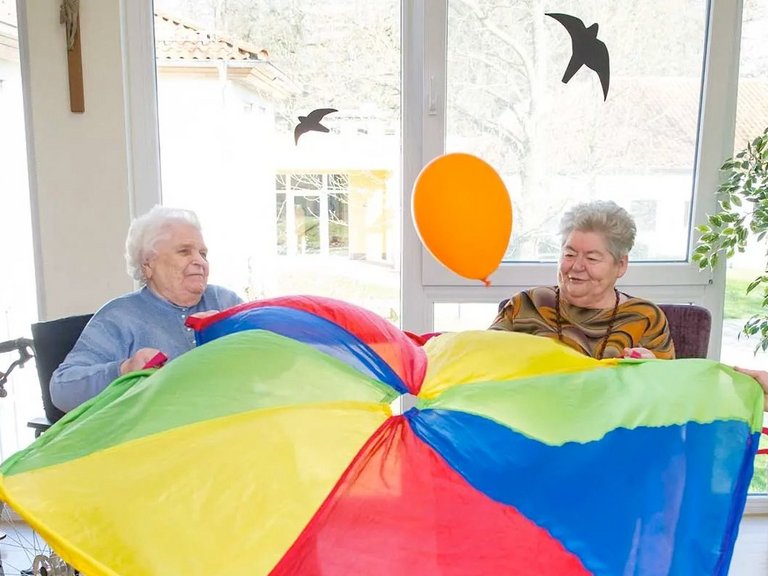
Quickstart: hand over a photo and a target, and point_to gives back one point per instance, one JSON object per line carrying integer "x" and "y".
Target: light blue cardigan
{"x": 122, "y": 326}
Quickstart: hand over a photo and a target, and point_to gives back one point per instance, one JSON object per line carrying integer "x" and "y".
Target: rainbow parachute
{"x": 272, "y": 449}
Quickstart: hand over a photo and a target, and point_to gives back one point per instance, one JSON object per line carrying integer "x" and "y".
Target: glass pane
{"x": 307, "y": 213}
{"x": 306, "y": 181}
{"x": 751, "y": 121}
{"x": 282, "y": 223}
{"x": 338, "y": 216}
{"x": 18, "y": 302}
{"x": 457, "y": 316}
{"x": 338, "y": 181}
{"x": 285, "y": 210}
{"x": 558, "y": 143}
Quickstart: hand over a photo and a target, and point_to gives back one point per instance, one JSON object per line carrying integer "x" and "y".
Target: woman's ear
{"x": 623, "y": 262}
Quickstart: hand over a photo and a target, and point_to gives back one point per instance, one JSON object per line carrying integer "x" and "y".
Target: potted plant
{"x": 742, "y": 214}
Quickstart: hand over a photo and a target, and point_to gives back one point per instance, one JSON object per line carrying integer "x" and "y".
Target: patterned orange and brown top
{"x": 638, "y": 323}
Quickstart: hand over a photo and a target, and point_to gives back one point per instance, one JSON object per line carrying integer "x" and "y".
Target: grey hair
{"x": 144, "y": 233}
{"x": 605, "y": 217}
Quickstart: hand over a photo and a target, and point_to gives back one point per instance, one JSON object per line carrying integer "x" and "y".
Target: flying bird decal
{"x": 311, "y": 122}
{"x": 587, "y": 50}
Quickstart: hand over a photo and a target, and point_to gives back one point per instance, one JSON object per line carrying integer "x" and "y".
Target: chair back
{"x": 690, "y": 326}
{"x": 53, "y": 340}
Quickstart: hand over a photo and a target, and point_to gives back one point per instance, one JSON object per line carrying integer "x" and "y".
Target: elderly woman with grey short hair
{"x": 584, "y": 310}
{"x": 166, "y": 254}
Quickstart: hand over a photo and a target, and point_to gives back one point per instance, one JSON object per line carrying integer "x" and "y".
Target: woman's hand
{"x": 638, "y": 352}
{"x": 762, "y": 378}
{"x": 138, "y": 360}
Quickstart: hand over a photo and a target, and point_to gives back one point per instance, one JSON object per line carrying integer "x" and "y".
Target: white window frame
{"x": 141, "y": 110}
{"x": 426, "y": 282}
{"x": 322, "y": 193}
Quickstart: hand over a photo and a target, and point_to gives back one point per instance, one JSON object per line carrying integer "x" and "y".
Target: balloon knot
{"x": 486, "y": 282}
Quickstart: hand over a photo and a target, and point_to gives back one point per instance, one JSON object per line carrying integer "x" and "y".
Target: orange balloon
{"x": 463, "y": 214}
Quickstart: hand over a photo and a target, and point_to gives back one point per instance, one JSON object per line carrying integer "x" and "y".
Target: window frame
{"x": 427, "y": 282}
{"x": 324, "y": 191}
{"x": 424, "y": 281}
{"x": 141, "y": 108}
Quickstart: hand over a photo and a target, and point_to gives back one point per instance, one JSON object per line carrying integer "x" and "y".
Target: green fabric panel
{"x": 250, "y": 370}
{"x": 584, "y": 406}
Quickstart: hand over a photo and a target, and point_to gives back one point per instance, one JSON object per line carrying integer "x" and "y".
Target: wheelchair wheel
{"x": 24, "y": 553}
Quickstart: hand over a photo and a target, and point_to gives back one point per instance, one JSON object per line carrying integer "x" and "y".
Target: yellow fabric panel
{"x": 251, "y": 483}
{"x": 460, "y": 358}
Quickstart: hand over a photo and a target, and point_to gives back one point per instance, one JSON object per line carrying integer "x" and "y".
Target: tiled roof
{"x": 176, "y": 39}
{"x": 752, "y": 111}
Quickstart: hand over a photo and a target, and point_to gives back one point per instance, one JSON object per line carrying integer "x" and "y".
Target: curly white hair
{"x": 146, "y": 230}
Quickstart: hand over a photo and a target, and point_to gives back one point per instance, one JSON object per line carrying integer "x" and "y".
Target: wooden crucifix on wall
{"x": 69, "y": 15}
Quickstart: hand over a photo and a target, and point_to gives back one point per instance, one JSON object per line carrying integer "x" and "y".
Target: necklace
{"x": 608, "y": 331}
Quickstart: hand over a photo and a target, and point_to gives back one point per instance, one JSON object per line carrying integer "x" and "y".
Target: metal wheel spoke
{"x": 24, "y": 553}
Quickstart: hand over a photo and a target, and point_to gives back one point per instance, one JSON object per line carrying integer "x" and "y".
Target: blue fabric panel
{"x": 322, "y": 334}
{"x": 648, "y": 501}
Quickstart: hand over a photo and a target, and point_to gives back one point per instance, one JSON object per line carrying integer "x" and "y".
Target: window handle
{"x": 431, "y": 99}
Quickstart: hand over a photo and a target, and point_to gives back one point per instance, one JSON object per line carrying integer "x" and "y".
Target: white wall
{"x": 78, "y": 170}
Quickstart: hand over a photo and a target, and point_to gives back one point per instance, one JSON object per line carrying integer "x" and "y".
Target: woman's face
{"x": 588, "y": 271}
{"x": 178, "y": 268}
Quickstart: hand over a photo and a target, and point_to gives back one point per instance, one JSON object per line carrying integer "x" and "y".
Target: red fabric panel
{"x": 400, "y": 509}
{"x": 421, "y": 339}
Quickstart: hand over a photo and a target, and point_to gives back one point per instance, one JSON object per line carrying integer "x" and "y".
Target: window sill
{"x": 757, "y": 505}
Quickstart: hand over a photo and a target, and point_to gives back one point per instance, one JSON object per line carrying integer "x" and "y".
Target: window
{"x": 644, "y": 213}
{"x": 751, "y": 120}
{"x": 320, "y": 219}
{"x": 338, "y": 218}
{"x": 319, "y": 210}
{"x": 481, "y": 77}
{"x": 18, "y": 304}
{"x": 457, "y": 316}
{"x": 555, "y": 144}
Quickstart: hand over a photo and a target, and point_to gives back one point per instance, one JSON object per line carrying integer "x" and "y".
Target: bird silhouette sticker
{"x": 587, "y": 50}
{"x": 311, "y": 122}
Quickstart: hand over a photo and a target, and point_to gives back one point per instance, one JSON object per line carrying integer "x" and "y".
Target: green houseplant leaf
{"x": 742, "y": 213}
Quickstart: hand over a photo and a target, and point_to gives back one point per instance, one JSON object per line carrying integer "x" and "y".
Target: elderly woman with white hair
{"x": 585, "y": 310}
{"x": 166, "y": 253}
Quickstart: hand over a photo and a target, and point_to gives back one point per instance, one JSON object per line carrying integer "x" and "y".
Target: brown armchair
{"x": 690, "y": 326}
